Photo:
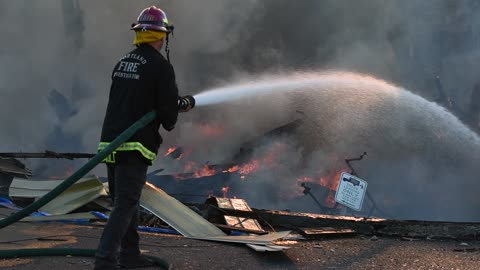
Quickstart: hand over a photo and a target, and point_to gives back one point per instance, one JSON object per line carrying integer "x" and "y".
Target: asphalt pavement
{"x": 356, "y": 252}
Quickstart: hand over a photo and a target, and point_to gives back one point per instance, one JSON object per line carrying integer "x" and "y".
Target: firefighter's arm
{"x": 167, "y": 104}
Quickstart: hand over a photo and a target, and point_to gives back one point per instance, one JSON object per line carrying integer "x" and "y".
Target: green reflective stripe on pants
{"x": 130, "y": 146}
{"x": 110, "y": 158}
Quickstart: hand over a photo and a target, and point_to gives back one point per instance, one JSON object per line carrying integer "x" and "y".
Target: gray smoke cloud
{"x": 421, "y": 160}
{"x": 429, "y": 47}
{"x": 217, "y": 41}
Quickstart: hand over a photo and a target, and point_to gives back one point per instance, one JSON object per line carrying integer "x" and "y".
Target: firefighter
{"x": 142, "y": 81}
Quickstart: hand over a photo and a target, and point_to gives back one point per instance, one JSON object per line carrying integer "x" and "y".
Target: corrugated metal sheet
{"x": 67, "y": 217}
{"x": 79, "y": 194}
{"x": 13, "y": 166}
{"x": 262, "y": 248}
{"x": 176, "y": 214}
{"x": 36, "y": 188}
{"x": 265, "y": 239}
{"x": 74, "y": 197}
{"x": 192, "y": 225}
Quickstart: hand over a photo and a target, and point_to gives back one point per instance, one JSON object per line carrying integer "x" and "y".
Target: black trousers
{"x": 120, "y": 237}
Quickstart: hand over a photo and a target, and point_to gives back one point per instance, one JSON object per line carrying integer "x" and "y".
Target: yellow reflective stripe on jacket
{"x": 129, "y": 146}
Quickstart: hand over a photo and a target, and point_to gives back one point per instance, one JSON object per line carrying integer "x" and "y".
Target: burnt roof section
{"x": 14, "y": 167}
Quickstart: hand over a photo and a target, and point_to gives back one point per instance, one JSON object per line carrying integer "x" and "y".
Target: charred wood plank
{"x": 369, "y": 226}
{"x": 326, "y": 232}
{"x": 427, "y": 229}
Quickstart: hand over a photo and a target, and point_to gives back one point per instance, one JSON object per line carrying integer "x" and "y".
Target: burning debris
{"x": 181, "y": 218}
{"x": 217, "y": 216}
{"x": 235, "y": 213}
{"x": 240, "y": 178}
{"x": 174, "y": 152}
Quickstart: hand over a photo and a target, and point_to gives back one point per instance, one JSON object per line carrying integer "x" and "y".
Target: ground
{"x": 358, "y": 252}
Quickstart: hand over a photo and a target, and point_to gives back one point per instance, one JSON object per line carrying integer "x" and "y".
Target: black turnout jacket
{"x": 142, "y": 81}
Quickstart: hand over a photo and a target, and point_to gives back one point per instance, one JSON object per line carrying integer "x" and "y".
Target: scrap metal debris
{"x": 171, "y": 211}
{"x": 84, "y": 191}
{"x": 192, "y": 225}
{"x": 11, "y": 166}
{"x": 235, "y": 213}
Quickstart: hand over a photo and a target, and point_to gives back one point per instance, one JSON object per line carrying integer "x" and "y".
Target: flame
{"x": 197, "y": 172}
{"x": 305, "y": 179}
{"x": 330, "y": 200}
{"x": 211, "y": 130}
{"x": 253, "y": 166}
{"x": 268, "y": 160}
{"x": 176, "y": 152}
{"x": 205, "y": 171}
{"x": 232, "y": 169}
{"x": 298, "y": 189}
{"x": 225, "y": 191}
{"x": 189, "y": 166}
{"x": 329, "y": 181}
{"x": 170, "y": 150}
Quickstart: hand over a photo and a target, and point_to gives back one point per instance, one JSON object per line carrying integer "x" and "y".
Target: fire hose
{"x": 99, "y": 157}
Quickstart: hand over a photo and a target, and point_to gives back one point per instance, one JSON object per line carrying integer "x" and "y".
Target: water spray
{"x": 413, "y": 141}
{"x": 278, "y": 84}
{"x": 230, "y": 93}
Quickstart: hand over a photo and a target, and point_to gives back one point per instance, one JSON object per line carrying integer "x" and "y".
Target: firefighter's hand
{"x": 168, "y": 128}
{"x": 186, "y": 103}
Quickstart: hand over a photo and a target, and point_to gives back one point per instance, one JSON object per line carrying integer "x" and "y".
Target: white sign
{"x": 351, "y": 191}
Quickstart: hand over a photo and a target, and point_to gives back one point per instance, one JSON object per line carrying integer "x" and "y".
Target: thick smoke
{"x": 421, "y": 162}
{"x": 70, "y": 46}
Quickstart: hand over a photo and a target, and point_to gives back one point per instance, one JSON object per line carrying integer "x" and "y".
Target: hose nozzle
{"x": 186, "y": 103}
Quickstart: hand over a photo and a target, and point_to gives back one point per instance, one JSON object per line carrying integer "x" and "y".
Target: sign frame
{"x": 351, "y": 191}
